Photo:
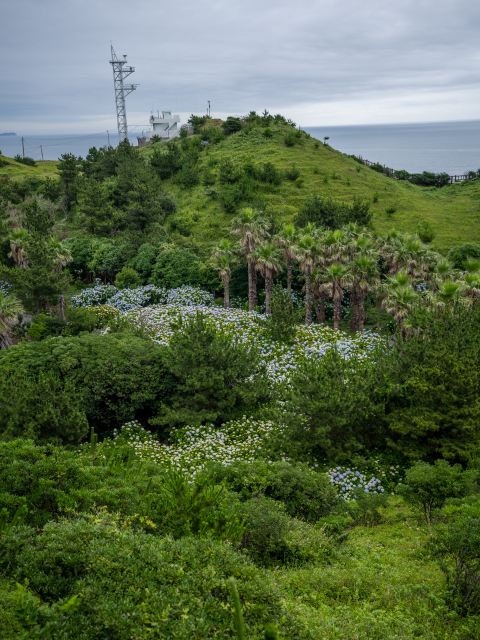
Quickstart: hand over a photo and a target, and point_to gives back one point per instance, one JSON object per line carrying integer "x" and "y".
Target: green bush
{"x": 195, "y": 508}
{"x": 53, "y": 480}
{"x": 292, "y": 174}
{"x": 425, "y": 231}
{"x": 460, "y": 254}
{"x": 145, "y": 259}
{"x": 134, "y": 585}
{"x": 332, "y": 408}
{"x": 364, "y": 508}
{"x": 290, "y": 139}
{"x": 128, "y": 278}
{"x": 216, "y": 379}
{"x": 282, "y": 322}
{"x": 175, "y": 267}
{"x": 79, "y": 320}
{"x": 44, "y": 326}
{"x": 45, "y": 409}
{"x": 120, "y": 376}
{"x": 326, "y": 212}
{"x": 433, "y": 407}
{"x": 457, "y": 547}
{"x": 305, "y": 494}
{"x": 428, "y": 486}
{"x": 271, "y": 537}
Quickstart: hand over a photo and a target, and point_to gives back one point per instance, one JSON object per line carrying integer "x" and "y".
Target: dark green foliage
{"x": 364, "y": 508}
{"x": 427, "y": 486}
{"x": 30, "y": 162}
{"x": 228, "y": 173}
{"x": 332, "y": 407}
{"x": 434, "y": 405}
{"x": 52, "y": 480}
{"x": 292, "y": 174}
{"x": 69, "y": 171}
{"x": 268, "y": 133}
{"x": 132, "y": 583}
{"x": 43, "y": 326}
{"x": 267, "y": 526}
{"x": 195, "y": 508}
{"x": 231, "y": 125}
{"x": 120, "y": 376}
{"x": 269, "y": 174}
{"x": 96, "y": 209}
{"x": 45, "y": 409}
{"x": 189, "y": 174}
{"x": 208, "y": 177}
{"x": 176, "y": 267}
{"x": 216, "y": 379}
{"x": 290, "y": 138}
{"x": 80, "y": 320}
{"x": 145, "y": 259}
{"x": 305, "y": 494}
{"x": 425, "y": 231}
{"x": 106, "y": 259}
{"x": 282, "y": 322}
{"x": 326, "y": 212}
{"x": 167, "y": 162}
{"x": 128, "y": 278}
{"x": 51, "y": 189}
{"x": 460, "y": 254}
{"x": 43, "y": 281}
{"x": 212, "y": 135}
{"x": 457, "y": 547}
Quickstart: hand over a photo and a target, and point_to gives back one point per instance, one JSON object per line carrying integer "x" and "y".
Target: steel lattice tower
{"x": 120, "y": 72}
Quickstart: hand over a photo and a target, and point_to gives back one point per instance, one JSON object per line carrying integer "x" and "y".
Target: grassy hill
{"x": 10, "y": 168}
{"x": 453, "y": 211}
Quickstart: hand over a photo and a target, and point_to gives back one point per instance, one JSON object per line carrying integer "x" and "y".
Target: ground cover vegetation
{"x": 226, "y": 416}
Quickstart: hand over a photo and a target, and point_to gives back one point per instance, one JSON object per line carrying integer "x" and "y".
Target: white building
{"x": 165, "y": 127}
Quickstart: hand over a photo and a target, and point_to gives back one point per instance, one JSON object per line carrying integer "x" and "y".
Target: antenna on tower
{"x": 120, "y": 72}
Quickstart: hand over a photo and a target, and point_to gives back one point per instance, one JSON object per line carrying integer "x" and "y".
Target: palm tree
{"x": 286, "y": 240}
{"x": 321, "y": 290}
{"x": 400, "y": 279}
{"x": 442, "y": 271}
{"x": 17, "y": 240}
{"x": 62, "y": 254}
{"x": 399, "y": 302}
{"x": 365, "y": 276}
{"x": 306, "y": 250}
{"x": 338, "y": 274}
{"x": 224, "y": 263}
{"x": 268, "y": 260}
{"x": 472, "y": 286}
{"x": 252, "y": 228}
{"x": 10, "y": 307}
{"x": 447, "y": 293}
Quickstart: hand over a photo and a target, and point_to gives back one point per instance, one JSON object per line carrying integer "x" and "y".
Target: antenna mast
{"x": 121, "y": 90}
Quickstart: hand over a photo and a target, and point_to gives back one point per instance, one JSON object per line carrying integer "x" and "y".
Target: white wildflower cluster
{"x": 346, "y": 480}
{"x": 128, "y": 299}
{"x": 196, "y": 447}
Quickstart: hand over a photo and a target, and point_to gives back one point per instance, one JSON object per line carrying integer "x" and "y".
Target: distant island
{"x": 8, "y": 134}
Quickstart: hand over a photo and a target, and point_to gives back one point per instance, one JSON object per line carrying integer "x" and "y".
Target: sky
{"x": 318, "y": 62}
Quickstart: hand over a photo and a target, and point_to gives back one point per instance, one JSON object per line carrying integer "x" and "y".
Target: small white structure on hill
{"x": 164, "y": 127}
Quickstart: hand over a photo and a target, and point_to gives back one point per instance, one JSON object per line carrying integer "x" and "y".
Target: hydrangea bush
{"x": 128, "y": 299}
{"x": 4, "y": 288}
{"x": 193, "y": 448}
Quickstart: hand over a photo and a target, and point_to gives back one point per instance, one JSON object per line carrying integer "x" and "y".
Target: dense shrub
{"x": 215, "y": 378}
{"x": 145, "y": 259}
{"x": 121, "y": 377}
{"x": 427, "y": 487}
{"x": 176, "y": 267}
{"x": 460, "y": 254}
{"x": 128, "y": 278}
{"x": 434, "y": 406}
{"x": 44, "y": 408}
{"x": 326, "y": 212}
{"x": 457, "y": 546}
{"x": 131, "y": 584}
{"x": 53, "y": 480}
{"x": 231, "y": 125}
{"x": 305, "y": 494}
{"x": 332, "y": 409}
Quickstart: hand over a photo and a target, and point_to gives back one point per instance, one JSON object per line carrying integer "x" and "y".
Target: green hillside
{"x": 453, "y": 211}
{"x": 10, "y": 168}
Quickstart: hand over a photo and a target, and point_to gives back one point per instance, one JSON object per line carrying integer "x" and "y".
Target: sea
{"x": 450, "y": 147}
{"x": 439, "y": 147}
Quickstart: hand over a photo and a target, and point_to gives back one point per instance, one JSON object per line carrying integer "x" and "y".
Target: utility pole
{"x": 208, "y": 108}
{"x": 108, "y": 135}
{"x": 42, "y": 156}
{"x": 23, "y": 148}
{"x": 121, "y": 90}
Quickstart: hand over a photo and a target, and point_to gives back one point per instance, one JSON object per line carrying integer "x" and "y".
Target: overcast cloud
{"x": 318, "y": 62}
